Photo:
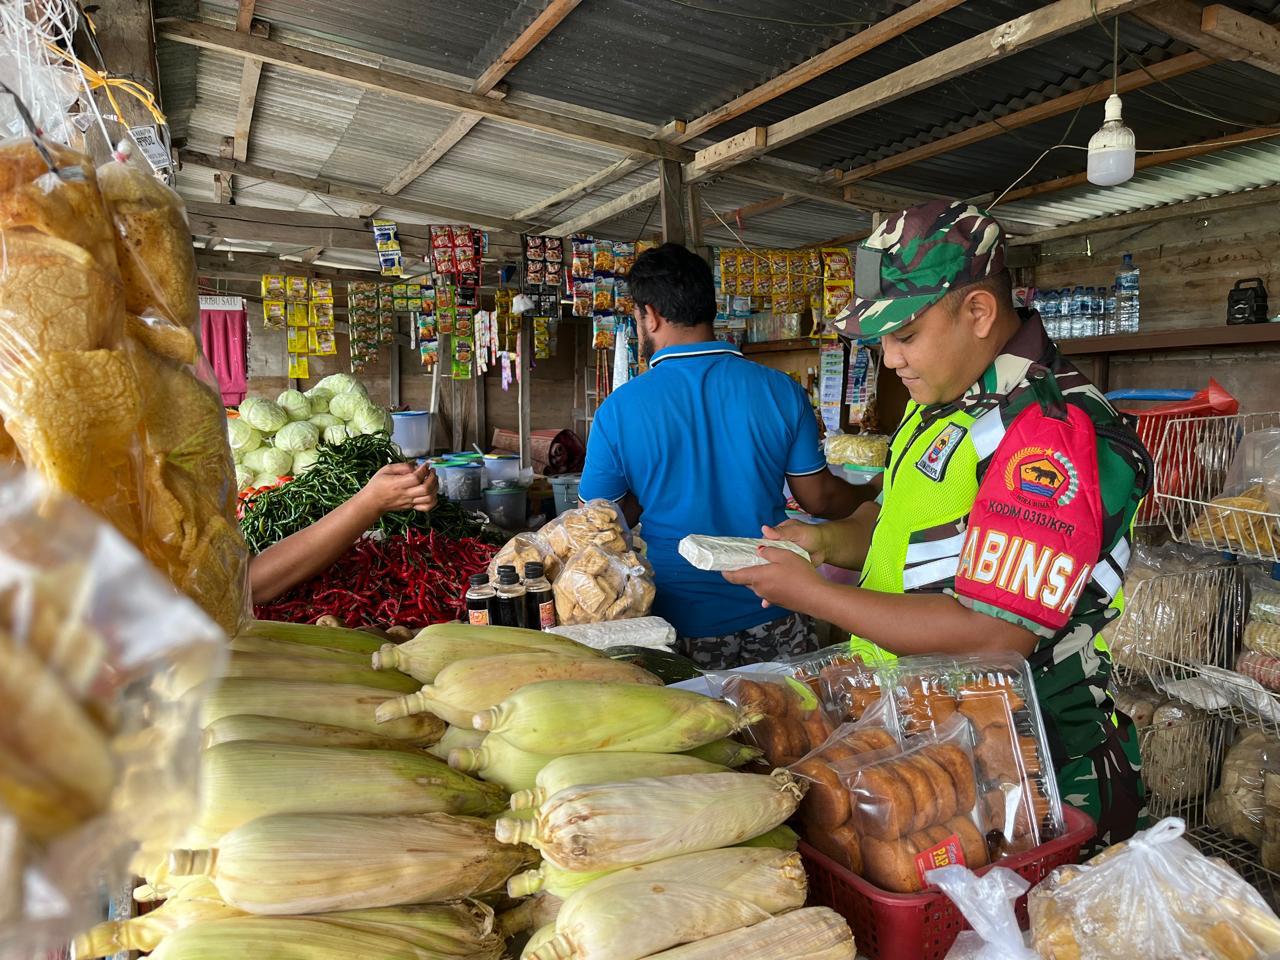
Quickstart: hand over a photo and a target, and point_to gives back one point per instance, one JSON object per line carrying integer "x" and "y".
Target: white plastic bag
{"x": 987, "y": 903}
{"x": 1153, "y": 895}
{"x": 731, "y": 553}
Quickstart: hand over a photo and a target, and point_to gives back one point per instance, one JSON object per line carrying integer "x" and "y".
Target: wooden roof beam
{"x": 1184, "y": 20}
{"x": 301, "y": 60}
{"x": 264, "y": 225}
{"x": 1260, "y": 39}
{"x": 346, "y": 191}
{"x": 861, "y": 42}
{"x": 1055, "y": 107}
{"x": 486, "y": 85}
{"x": 607, "y": 211}
{"x": 1022, "y": 33}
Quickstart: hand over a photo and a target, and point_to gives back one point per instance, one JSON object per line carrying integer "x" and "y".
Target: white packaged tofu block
{"x": 651, "y": 632}
{"x": 730, "y": 553}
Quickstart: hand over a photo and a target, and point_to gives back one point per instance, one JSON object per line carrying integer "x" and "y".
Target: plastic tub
{"x": 502, "y": 469}
{"x": 411, "y": 432}
{"x": 565, "y": 490}
{"x": 507, "y": 507}
{"x": 923, "y": 926}
{"x": 463, "y": 481}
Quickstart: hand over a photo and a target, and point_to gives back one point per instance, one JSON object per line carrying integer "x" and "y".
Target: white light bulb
{"x": 1112, "y": 149}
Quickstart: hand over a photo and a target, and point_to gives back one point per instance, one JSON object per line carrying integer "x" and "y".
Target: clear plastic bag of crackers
{"x": 103, "y": 389}
{"x": 599, "y": 523}
{"x": 597, "y": 586}
{"x": 1154, "y": 895}
{"x": 102, "y": 669}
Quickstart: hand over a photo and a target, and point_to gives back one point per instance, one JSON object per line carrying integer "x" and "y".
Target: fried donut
{"x": 957, "y": 763}
{"x": 944, "y": 789}
{"x": 923, "y": 792}
{"x": 886, "y": 805}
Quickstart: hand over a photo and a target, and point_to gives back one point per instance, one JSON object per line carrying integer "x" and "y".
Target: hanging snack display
{"x": 100, "y": 385}
{"x": 837, "y": 281}
{"x": 386, "y": 241}
{"x": 362, "y": 323}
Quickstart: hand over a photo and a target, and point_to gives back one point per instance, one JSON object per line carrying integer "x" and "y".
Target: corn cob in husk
{"x": 584, "y": 769}
{"x": 438, "y": 646}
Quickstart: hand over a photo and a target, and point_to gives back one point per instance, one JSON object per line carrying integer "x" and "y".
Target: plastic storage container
{"x": 923, "y": 926}
{"x": 463, "y": 481}
{"x": 565, "y": 490}
{"x": 502, "y": 469}
{"x": 411, "y": 431}
{"x": 507, "y": 507}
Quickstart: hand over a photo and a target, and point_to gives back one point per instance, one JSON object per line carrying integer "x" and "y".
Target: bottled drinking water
{"x": 1127, "y": 296}
{"x": 1049, "y": 313}
{"x": 1112, "y": 321}
{"x": 1080, "y": 301}
{"x": 1095, "y": 314}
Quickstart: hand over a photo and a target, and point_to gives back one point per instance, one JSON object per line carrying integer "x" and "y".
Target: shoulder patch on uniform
{"x": 933, "y": 462}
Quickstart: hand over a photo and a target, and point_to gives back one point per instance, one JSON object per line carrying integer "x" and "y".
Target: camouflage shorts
{"x": 1106, "y": 783}
{"x": 790, "y": 636}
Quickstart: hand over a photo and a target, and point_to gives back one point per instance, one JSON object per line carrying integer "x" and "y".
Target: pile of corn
{"x": 652, "y": 846}
{"x": 331, "y": 826}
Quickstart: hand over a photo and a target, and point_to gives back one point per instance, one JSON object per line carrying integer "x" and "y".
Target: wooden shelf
{"x": 1157, "y": 340}
{"x": 787, "y": 346}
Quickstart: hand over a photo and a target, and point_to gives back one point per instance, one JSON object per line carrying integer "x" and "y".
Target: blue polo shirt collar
{"x": 707, "y": 349}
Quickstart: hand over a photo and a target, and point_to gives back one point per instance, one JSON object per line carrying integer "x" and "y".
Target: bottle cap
{"x": 505, "y": 568}
{"x": 534, "y": 571}
{"x": 479, "y": 579}
{"x": 508, "y": 577}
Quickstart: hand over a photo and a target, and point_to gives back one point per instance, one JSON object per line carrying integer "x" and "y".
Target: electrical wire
{"x": 1193, "y": 108}
{"x": 759, "y": 17}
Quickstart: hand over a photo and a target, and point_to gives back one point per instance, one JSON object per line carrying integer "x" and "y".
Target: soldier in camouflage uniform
{"x": 931, "y": 284}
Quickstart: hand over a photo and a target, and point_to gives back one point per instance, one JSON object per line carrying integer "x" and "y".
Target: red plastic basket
{"x": 923, "y": 926}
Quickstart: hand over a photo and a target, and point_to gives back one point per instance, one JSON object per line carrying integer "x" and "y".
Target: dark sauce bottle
{"x": 480, "y": 601}
{"x": 509, "y": 606}
{"x": 540, "y": 602}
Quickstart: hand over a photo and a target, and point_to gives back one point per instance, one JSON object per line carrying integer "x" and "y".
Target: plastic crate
{"x": 923, "y": 926}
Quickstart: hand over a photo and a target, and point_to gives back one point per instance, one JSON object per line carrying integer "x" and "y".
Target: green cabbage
{"x": 264, "y": 415}
{"x": 319, "y": 403}
{"x": 294, "y": 404}
{"x": 322, "y": 421}
{"x": 370, "y": 419}
{"x": 344, "y": 405}
{"x": 304, "y": 460}
{"x": 242, "y": 438}
{"x": 297, "y": 436}
{"x": 336, "y": 435}
{"x": 339, "y": 383}
{"x": 244, "y": 477}
{"x": 267, "y": 479}
{"x": 278, "y": 463}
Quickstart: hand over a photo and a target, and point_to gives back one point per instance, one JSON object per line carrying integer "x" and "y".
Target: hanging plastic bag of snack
{"x": 596, "y": 586}
{"x": 1153, "y": 895}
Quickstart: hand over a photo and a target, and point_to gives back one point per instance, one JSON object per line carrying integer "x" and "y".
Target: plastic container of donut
{"x": 1018, "y": 803}
{"x": 924, "y": 926}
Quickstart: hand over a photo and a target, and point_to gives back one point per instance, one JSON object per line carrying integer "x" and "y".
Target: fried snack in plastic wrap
{"x": 857, "y": 449}
{"x": 1153, "y": 895}
{"x": 596, "y": 586}
{"x": 112, "y": 405}
{"x": 598, "y": 523}
{"x": 1174, "y": 749}
{"x": 522, "y": 550}
{"x": 1236, "y": 806}
{"x": 96, "y": 747}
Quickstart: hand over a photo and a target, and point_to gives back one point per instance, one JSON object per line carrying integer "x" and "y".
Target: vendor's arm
{"x": 314, "y": 549}
{"x": 904, "y": 624}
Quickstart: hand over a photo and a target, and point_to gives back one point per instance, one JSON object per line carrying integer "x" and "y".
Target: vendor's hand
{"x": 805, "y": 535}
{"x": 400, "y": 486}
{"x": 787, "y": 580}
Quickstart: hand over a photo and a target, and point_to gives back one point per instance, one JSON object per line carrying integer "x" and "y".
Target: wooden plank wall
{"x": 1188, "y": 267}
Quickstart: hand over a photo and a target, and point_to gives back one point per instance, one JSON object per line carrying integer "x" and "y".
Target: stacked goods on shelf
{"x": 101, "y": 389}
{"x": 95, "y": 744}
{"x": 596, "y": 566}
{"x": 271, "y": 440}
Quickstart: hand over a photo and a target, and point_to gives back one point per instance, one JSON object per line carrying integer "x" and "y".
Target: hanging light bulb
{"x": 1112, "y": 149}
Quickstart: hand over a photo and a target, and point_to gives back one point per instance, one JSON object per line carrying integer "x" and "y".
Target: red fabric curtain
{"x": 224, "y": 336}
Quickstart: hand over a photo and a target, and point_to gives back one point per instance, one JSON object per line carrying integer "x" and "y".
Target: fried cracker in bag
{"x": 596, "y": 586}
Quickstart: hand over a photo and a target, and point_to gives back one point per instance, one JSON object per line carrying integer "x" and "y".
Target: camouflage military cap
{"x": 914, "y": 258}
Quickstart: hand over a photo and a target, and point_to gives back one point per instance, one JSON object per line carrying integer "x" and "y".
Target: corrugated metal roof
{"x": 654, "y": 60}
{"x": 440, "y": 34}
{"x": 1229, "y": 171}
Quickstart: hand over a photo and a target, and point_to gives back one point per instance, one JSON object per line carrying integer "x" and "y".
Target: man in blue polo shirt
{"x": 704, "y": 443}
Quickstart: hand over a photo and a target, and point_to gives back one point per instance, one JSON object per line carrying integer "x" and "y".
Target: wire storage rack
{"x": 1218, "y": 483}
